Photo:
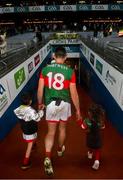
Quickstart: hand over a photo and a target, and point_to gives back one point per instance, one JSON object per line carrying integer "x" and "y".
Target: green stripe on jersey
{"x": 51, "y": 92}
{"x": 58, "y": 68}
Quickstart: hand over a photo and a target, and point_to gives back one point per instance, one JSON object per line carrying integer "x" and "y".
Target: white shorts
{"x": 58, "y": 113}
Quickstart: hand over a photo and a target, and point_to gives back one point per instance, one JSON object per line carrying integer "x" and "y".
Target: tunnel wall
{"x": 23, "y": 78}
{"x": 104, "y": 83}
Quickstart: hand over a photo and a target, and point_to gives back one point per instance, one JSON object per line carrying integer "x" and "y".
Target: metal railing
{"x": 15, "y": 57}
{"x": 117, "y": 45}
{"x": 109, "y": 52}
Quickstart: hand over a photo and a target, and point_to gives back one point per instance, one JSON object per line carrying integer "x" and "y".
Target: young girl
{"x": 28, "y": 120}
{"x": 94, "y": 123}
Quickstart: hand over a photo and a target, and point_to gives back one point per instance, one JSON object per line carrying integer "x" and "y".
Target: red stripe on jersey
{"x": 73, "y": 78}
{"x": 41, "y": 76}
{"x": 66, "y": 82}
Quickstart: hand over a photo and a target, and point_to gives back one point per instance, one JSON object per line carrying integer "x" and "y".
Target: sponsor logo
{"x": 92, "y": 59}
{"x": 83, "y": 8}
{"x": 115, "y": 7}
{"x": 30, "y": 67}
{"x": 100, "y": 7}
{"x": 51, "y": 8}
{"x": 20, "y": 9}
{"x": 68, "y": 8}
{"x": 36, "y": 8}
{"x": 7, "y": 10}
{"x": 99, "y": 66}
{"x": 66, "y": 41}
{"x": 3, "y": 97}
{"x": 37, "y": 60}
{"x": 62, "y": 41}
{"x": 69, "y": 41}
{"x": 19, "y": 77}
{"x": 110, "y": 78}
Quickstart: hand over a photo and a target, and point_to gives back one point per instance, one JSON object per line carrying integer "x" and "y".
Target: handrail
{"x": 17, "y": 56}
{"x": 116, "y": 45}
{"x": 111, "y": 54}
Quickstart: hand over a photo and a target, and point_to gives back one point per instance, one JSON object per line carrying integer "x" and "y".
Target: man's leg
{"x": 62, "y": 137}
{"x": 49, "y": 142}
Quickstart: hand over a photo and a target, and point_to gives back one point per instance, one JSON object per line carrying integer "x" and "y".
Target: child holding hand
{"x": 28, "y": 118}
{"x": 93, "y": 124}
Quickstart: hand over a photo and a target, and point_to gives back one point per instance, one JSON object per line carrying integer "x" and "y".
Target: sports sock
{"x": 26, "y": 160}
{"x": 97, "y": 155}
{"x": 60, "y": 148}
{"x": 48, "y": 154}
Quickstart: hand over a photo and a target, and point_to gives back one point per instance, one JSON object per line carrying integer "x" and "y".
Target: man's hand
{"x": 41, "y": 106}
{"x": 75, "y": 99}
{"x": 78, "y": 115}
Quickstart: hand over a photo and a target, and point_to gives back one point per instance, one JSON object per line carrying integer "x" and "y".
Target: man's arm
{"x": 75, "y": 99}
{"x": 40, "y": 92}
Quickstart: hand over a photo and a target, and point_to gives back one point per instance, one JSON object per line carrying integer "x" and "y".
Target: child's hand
{"x": 82, "y": 123}
{"x": 41, "y": 106}
{"x": 41, "y": 113}
{"x": 79, "y": 122}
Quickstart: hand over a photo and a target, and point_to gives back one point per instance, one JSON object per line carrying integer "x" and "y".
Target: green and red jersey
{"x": 57, "y": 79}
{"x": 87, "y": 123}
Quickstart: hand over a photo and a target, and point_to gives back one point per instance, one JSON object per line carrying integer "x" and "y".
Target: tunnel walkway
{"x": 74, "y": 164}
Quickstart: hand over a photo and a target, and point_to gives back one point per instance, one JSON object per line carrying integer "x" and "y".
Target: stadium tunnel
{"x": 97, "y": 80}
{"x": 93, "y": 73}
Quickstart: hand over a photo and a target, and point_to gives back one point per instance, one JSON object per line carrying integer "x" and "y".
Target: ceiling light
{"x": 8, "y": 4}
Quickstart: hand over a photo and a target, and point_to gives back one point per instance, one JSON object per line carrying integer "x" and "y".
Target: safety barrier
{"x": 24, "y": 76}
{"x": 109, "y": 53}
{"x": 105, "y": 80}
{"x": 16, "y": 56}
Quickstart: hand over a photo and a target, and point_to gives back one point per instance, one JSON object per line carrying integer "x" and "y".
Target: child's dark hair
{"x": 26, "y": 98}
{"x": 60, "y": 52}
{"x": 96, "y": 112}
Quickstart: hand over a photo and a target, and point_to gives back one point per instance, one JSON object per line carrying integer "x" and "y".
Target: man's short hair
{"x": 60, "y": 52}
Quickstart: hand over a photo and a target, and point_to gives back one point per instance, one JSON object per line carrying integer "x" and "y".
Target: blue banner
{"x": 52, "y": 8}
{"x": 84, "y": 7}
{"x": 116, "y": 7}
{"x": 21, "y": 9}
